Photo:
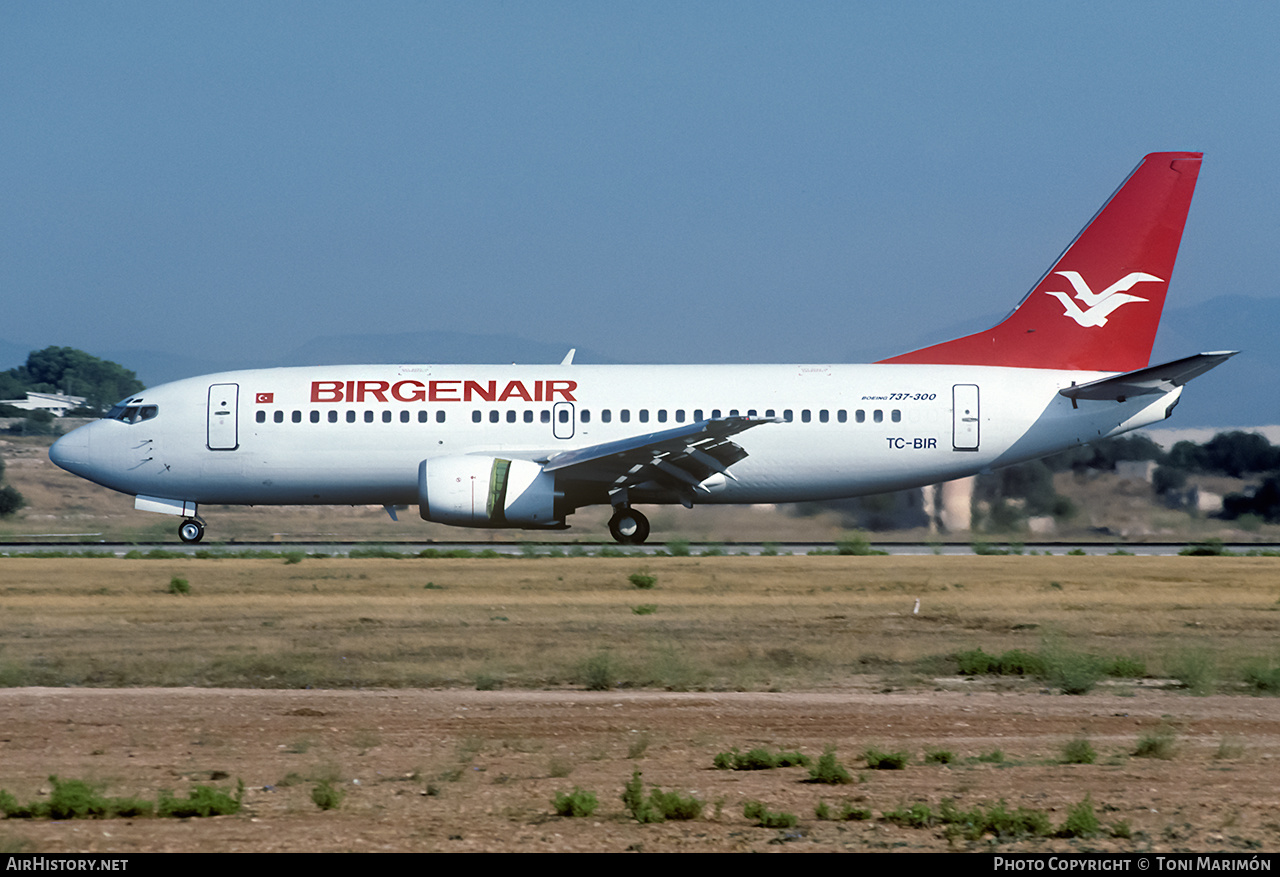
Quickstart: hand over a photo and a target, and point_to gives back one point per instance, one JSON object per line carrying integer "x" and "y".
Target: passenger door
{"x": 223, "y": 427}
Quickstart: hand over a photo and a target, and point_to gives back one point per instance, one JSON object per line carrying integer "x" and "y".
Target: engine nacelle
{"x": 487, "y": 492}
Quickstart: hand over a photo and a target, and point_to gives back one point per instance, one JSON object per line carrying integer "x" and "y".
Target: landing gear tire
{"x": 191, "y": 530}
{"x": 629, "y": 527}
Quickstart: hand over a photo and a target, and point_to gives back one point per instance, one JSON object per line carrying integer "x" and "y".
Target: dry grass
{"x": 723, "y": 623}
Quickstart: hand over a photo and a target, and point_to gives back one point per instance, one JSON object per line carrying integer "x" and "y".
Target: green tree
{"x": 75, "y": 373}
{"x": 10, "y": 501}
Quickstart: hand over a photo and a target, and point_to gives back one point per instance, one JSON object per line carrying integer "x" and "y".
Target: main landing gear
{"x": 191, "y": 530}
{"x": 628, "y": 526}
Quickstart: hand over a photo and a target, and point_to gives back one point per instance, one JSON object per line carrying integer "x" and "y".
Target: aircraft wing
{"x": 677, "y": 459}
{"x": 1146, "y": 381}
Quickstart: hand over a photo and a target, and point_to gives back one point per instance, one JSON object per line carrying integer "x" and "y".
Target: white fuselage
{"x": 357, "y": 434}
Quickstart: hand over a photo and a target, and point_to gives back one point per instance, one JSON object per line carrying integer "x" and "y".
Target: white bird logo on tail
{"x": 1098, "y": 304}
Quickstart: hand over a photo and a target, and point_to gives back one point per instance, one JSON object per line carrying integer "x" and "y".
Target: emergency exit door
{"x": 964, "y": 417}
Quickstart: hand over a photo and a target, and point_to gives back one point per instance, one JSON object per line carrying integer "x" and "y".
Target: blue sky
{"x": 680, "y": 182}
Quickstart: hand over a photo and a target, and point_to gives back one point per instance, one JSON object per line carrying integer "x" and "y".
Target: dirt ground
{"x": 455, "y": 770}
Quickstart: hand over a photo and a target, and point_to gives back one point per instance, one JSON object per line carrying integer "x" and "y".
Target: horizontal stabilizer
{"x": 1147, "y": 381}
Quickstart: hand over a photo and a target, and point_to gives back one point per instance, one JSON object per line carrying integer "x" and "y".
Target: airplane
{"x": 525, "y": 446}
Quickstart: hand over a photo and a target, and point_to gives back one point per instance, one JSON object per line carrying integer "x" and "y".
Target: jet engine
{"x": 469, "y": 491}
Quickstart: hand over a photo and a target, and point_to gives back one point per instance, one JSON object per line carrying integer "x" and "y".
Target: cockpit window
{"x": 131, "y": 412}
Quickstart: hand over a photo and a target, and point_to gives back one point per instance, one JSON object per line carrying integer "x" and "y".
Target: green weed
{"x": 877, "y": 760}
{"x": 575, "y": 803}
{"x": 847, "y": 812}
{"x": 642, "y": 580}
{"x": 1262, "y": 678}
{"x": 201, "y": 801}
{"x": 1160, "y": 743}
{"x": 674, "y": 806}
{"x": 634, "y": 800}
{"x": 1079, "y": 751}
{"x": 1081, "y": 821}
{"x": 599, "y": 672}
{"x": 1229, "y": 749}
{"x": 1196, "y": 669}
{"x": 765, "y": 818}
{"x": 638, "y": 746}
{"x": 997, "y": 820}
{"x": 915, "y": 816}
{"x": 829, "y": 771}
{"x": 326, "y": 796}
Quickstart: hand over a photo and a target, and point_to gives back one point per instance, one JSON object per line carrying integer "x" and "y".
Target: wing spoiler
{"x": 1147, "y": 381}
{"x": 678, "y": 459}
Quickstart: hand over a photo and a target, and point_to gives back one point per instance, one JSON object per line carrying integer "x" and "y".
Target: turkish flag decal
{"x": 265, "y": 398}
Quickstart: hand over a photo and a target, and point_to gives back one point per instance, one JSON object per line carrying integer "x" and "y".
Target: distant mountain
{"x": 1241, "y": 392}
{"x": 154, "y": 367}
{"x": 432, "y": 347}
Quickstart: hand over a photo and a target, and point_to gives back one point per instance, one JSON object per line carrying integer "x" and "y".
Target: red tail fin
{"x": 1098, "y": 307}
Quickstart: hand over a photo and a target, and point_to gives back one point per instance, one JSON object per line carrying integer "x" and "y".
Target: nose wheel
{"x": 628, "y": 526}
{"x": 191, "y": 530}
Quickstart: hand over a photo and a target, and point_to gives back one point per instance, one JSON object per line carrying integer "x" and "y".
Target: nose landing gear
{"x": 191, "y": 530}
{"x": 628, "y": 526}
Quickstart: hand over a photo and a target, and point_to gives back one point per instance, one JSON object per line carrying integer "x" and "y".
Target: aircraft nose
{"x": 71, "y": 452}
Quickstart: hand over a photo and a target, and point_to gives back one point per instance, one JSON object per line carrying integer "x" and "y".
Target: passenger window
{"x": 476, "y": 416}
{"x": 751, "y": 412}
{"x": 404, "y": 416}
{"x": 824, "y": 416}
{"x": 770, "y": 413}
{"x": 625, "y": 415}
{"x": 715, "y": 413}
{"x": 697, "y": 415}
{"x": 805, "y": 416}
{"x": 333, "y": 417}
{"x": 386, "y": 417}
{"x": 788, "y": 415}
{"x": 297, "y": 417}
{"x": 315, "y": 416}
{"x": 368, "y": 417}
{"x": 896, "y": 416}
{"x": 261, "y": 417}
{"x": 860, "y": 416}
{"x": 606, "y": 415}
{"x": 546, "y": 416}
{"x": 662, "y": 415}
{"x": 644, "y": 415}
{"x": 351, "y": 417}
{"x": 564, "y": 415}
{"x": 842, "y": 415}
{"x": 586, "y": 416}
{"x": 528, "y": 417}
{"x": 511, "y": 417}
{"x": 878, "y": 416}
{"x": 278, "y": 417}
{"x": 439, "y": 417}
{"x": 679, "y": 415}
{"x": 493, "y": 416}
{"x": 423, "y": 416}
{"x": 733, "y": 412}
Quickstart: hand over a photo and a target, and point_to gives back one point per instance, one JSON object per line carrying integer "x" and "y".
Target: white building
{"x": 54, "y": 402}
